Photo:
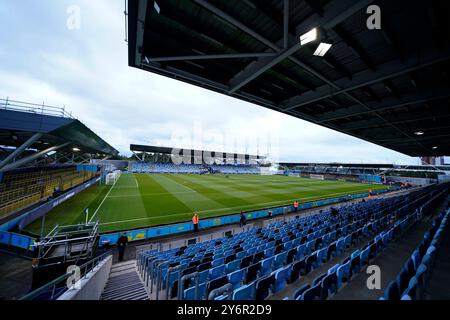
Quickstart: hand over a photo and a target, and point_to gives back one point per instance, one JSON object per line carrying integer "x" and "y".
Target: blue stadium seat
{"x": 232, "y": 266}
{"x": 216, "y": 272}
{"x": 189, "y": 294}
{"x": 252, "y": 272}
{"x": 281, "y": 277}
{"x": 312, "y": 293}
{"x": 279, "y": 260}
{"x": 322, "y": 256}
{"x": 364, "y": 256}
{"x": 329, "y": 285}
{"x": 298, "y": 293}
{"x": 298, "y": 268}
{"x": 246, "y": 292}
{"x": 340, "y": 246}
{"x": 413, "y": 289}
{"x": 392, "y": 291}
{"x": 203, "y": 276}
{"x": 266, "y": 266}
{"x": 236, "y": 278}
{"x": 343, "y": 274}
{"x": 263, "y": 286}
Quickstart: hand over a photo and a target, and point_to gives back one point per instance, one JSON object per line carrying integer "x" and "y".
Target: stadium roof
{"x": 387, "y": 86}
{"x": 31, "y": 131}
{"x": 167, "y": 150}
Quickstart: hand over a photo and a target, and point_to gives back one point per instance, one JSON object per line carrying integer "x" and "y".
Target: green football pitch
{"x": 138, "y": 200}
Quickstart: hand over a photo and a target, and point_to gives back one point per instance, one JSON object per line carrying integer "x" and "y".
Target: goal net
{"x": 112, "y": 177}
{"x": 316, "y": 176}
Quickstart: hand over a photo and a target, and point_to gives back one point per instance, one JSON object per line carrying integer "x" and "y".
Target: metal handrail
{"x": 62, "y": 279}
{"x": 43, "y": 109}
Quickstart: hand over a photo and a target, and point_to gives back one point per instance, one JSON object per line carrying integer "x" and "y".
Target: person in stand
{"x": 195, "y": 221}
{"x": 295, "y": 206}
{"x": 121, "y": 244}
{"x": 269, "y": 214}
{"x": 243, "y": 220}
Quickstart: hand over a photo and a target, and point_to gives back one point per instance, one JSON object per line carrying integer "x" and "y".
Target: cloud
{"x": 87, "y": 71}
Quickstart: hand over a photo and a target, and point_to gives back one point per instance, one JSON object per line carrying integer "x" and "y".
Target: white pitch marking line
{"x": 103, "y": 200}
{"x": 227, "y": 208}
{"x": 137, "y": 185}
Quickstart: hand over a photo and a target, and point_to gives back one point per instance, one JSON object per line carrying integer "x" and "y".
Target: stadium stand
{"x": 22, "y": 188}
{"x": 263, "y": 261}
{"x": 142, "y": 167}
{"x": 44, "y": 147}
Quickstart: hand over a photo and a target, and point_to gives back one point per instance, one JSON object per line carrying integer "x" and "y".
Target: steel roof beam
{"x": 285, "y": 23}
{"x": 213, "y": 56}
{"x": 366, "y": 124}
{"x": 364, "y": 78}
{"x": 333, "y": 16}
{"x": 20, "y": 149}
{"x": 28, "y": 159}
{"x": 236, "y": 23}
{"x": 386, "y": 104}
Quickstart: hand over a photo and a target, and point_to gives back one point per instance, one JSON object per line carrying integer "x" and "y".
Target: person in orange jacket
{"x": 195, "y": 221}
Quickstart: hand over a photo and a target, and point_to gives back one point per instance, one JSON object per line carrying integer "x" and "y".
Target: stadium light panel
{"x": 322, "y": 49}
{"x": 75, "y": 149}
{"x": 308, "y": 37}
{"x": 435, "y": 147}
{"x": 419, "y": 133}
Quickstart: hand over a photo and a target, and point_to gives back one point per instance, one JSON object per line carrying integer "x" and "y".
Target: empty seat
{"x": 343, "y": 274}
{"x": 291, "y": 255}
{"x": 364, "y": 257}
{"x": 322, "y": 256}
{"x": 230, "y": 258}
{"x": 281, "y": 277}
{"x": 258, "y": 256}
{"x": 413, "y": 289}
{"x": 392, "y": 292}
{"x": 204, "y": 266}
{"x": 312, "y": 293}
{"x": 402, "y": 280}
{"x": 252, "y": 272}
{"x": 216, "y": 283}
{"x": 266, "y": 266}
{"x": 298, "y": 268}
{"x": 236, "y": 278}
{"x": 263, "y": 286}
{"x": 190, "y": 294}
{"x": 246, "y": 292}
{"x": 245, "y": 262}
{"x": 329, "y": 285}
{"x": 232, "y": 266}
{"x": 310, "y": 263}
{"x": 298, "y": 293}
{"x": 279, "y": 260}
{"x": 216, "y": 272}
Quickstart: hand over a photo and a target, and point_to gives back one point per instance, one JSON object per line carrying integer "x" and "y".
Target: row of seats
{"x": 267, "y": 255}
{"x": 411, "y": 280}
{"x": 288, "y": 254}
{"x": 146, "y": 167}
{"x": 342, "y": 273}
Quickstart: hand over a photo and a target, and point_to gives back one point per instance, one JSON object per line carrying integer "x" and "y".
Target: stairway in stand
{"x": 124, "y": 283}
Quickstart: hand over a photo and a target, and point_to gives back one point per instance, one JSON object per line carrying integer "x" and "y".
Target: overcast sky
{"x": 86, "y": 71}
